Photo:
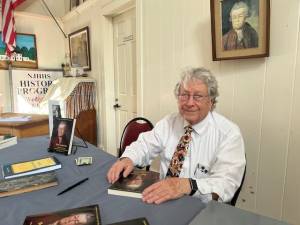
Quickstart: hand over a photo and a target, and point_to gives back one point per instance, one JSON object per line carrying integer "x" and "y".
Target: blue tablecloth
{"x": 14, "y": 209}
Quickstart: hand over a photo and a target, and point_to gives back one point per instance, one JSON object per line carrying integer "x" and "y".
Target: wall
{"x": 258, "y": 94}
{"x": 50, "y": 46}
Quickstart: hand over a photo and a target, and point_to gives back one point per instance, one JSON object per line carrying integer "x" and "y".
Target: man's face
{"x": 74, "y": 219}
{"x": 238, "y": 18}
{"x": 61, "y": 129}
{"x": 192, "y": 110}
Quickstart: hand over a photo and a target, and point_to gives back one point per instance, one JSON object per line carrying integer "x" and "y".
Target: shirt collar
{"x": 200, "y": 127}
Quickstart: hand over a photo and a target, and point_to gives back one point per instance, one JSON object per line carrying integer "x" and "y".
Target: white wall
{"x": 50, "y": 46}
{"x": 260, "y": 95}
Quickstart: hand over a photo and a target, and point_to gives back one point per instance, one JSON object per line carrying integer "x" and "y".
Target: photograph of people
{"x": 60, "y": 136}
{"x": 201, "y": 152}
{"x": 241, "y": 34}
{"x": 56, "y": 111}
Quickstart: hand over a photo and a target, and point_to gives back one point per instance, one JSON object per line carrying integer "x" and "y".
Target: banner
{"x": 29, "y": 88}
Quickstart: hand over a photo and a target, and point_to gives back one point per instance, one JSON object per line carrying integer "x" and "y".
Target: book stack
{"x": 7, "y": 140}
{"x": 26, "y": 176}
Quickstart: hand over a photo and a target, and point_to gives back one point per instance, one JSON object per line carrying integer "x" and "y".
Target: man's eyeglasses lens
{"x": 196, "y": 98}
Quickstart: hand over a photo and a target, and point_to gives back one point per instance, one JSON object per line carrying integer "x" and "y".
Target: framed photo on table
{"x": 240, "y": 29}
{"x": 79, "y": 44}
{"x": 73, "y": 4}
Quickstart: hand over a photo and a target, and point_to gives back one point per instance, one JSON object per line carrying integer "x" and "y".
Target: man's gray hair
{"x": 240, "y": 5}
{"x": 202, "y": 74}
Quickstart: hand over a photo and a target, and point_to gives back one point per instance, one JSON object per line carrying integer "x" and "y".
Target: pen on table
{"x": 73, "y": 186}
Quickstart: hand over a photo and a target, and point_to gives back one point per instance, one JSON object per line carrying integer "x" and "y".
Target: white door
{"x": 125, "y": 69}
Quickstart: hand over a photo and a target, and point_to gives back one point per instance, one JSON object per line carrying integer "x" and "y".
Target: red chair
{"x": 132, "y": 131}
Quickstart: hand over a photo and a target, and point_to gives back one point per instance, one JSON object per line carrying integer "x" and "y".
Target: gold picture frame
{"x": 79, "y": 44}
{"x": 240, "y": 29}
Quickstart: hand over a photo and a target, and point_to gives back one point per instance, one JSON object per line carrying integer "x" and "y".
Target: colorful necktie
{"x": 180, "y": 153}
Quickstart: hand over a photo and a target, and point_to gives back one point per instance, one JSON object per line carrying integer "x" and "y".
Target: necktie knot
{"x": 188, "y": 129}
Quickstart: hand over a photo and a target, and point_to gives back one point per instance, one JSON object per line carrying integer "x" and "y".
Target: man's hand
{"x": 125, "y": 164}
{"x": 170, "y": 188}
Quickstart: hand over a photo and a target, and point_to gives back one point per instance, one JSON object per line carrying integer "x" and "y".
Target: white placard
{"x": 29, "y": 88}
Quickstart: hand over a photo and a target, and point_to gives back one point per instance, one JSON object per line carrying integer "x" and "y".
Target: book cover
{"x": 137, "y": 221}
{"x": 7, "y": 140}
{"x": 88, "y": 215}
{"x": 134, "y": 184}
{"x": 62, "y": 135}
{"x": 31, "y": 167}
{"x": 26, "y": 184}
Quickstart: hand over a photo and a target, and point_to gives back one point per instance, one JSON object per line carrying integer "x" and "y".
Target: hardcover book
{"x": 62, "y": 135}
{"x": 26, "y": 184}
{"x": 7, "y": 140}
{"x": 25, "y": 168}
{"x": 88, "y": 215}
{"x": 134, "y": 184}
{"x": 137, "y": 221}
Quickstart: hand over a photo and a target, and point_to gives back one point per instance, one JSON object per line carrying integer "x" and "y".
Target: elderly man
{"x": 202, "y": 153}
{"x": 241, "y": 35}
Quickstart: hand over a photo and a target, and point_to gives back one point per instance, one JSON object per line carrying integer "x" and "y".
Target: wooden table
{"x": 38, "y": 125}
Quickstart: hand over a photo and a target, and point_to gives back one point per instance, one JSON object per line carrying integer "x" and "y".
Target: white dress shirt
{"x": 215, "y": 158}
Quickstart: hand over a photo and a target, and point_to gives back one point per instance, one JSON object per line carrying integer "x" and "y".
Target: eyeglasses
{"x": 196, "y": 98}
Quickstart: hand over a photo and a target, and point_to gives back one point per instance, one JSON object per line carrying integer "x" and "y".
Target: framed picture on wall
{"x": 79, "y": 44}
{"x": 25, "y": 55}
{"x": 240, "y": 29}
{"x": 73, "y": 4}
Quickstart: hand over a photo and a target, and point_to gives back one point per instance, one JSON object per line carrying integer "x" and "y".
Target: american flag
{"x": 8, "y": 24}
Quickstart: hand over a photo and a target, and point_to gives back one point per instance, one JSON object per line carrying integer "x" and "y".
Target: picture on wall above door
{"x": 73, "y": 4}
{"x": 240, "y": 29}
{"x": 25, "y": 54}
{"x": 79, "y": 44}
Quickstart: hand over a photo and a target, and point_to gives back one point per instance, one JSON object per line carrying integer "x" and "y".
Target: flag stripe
{"x": 8, "y": 24}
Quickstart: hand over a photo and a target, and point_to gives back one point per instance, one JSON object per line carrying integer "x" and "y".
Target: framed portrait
{"x": 240, "y": 29}
{"x": 73, "y": 4}
{"x": 79, "y": 44}
{"x": 25, "y": 55}
{"x": 56, "y": 110}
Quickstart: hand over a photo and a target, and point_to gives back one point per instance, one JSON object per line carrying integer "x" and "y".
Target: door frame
{"x": 110, "y": 144}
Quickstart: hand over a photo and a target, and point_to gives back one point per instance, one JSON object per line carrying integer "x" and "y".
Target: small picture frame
{"x": 56, "y": 110}
{"x": 79, "y": 44}
{"x": 240, "y": 29}
{"x": 73, "y": 4}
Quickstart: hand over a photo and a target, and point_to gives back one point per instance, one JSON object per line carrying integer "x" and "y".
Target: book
{"x": 137, "y": 221}
{"x": 134, "y": 184}
{"x": 7, "y": 140}
{"x": 89, "y": 215}
{"x": 62, "y": 135}
{"x": 20, "y": 169}
{"x": 25, "y": 184}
